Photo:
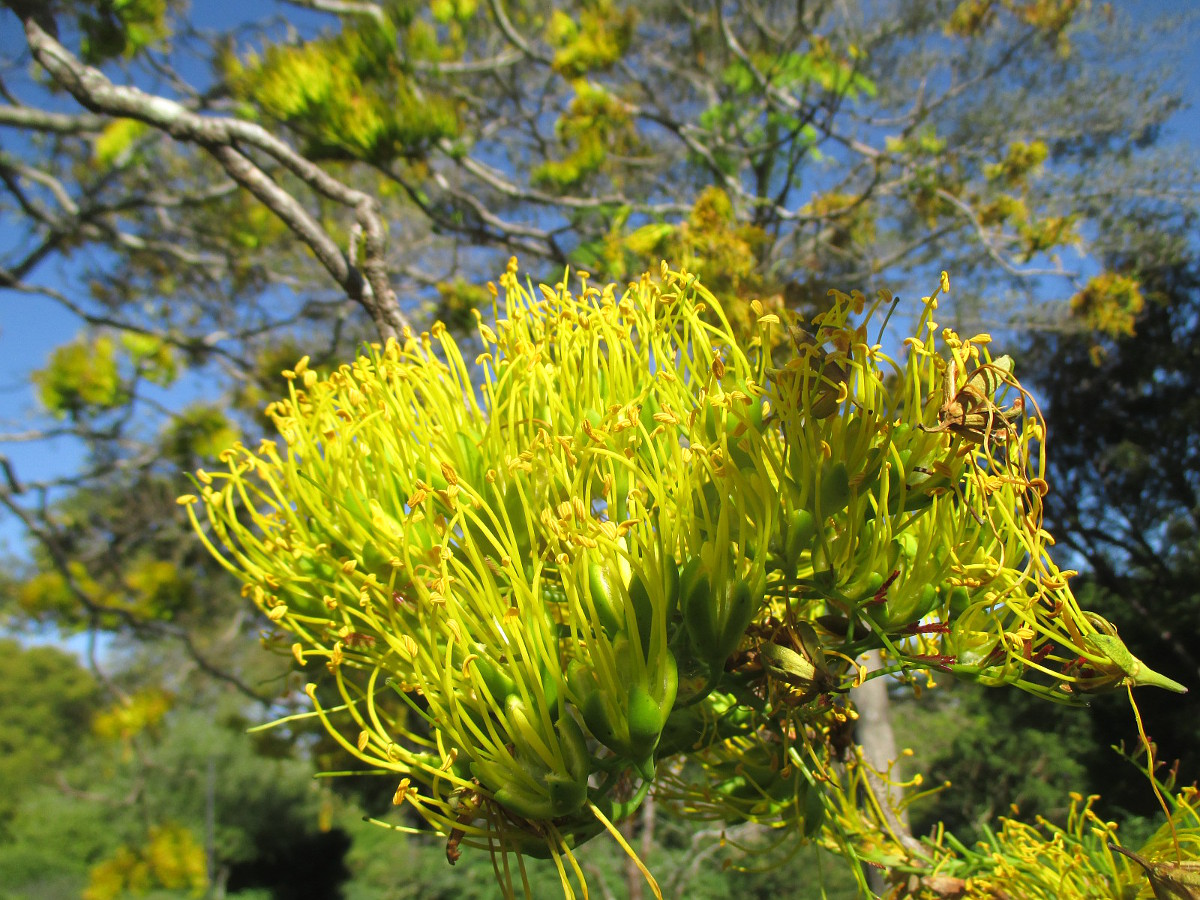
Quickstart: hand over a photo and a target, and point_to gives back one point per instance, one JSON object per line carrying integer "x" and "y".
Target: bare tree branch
{"x": 43, "y": 120}
{"x": 221, "y": 137}
{"x": 344, "y": 8}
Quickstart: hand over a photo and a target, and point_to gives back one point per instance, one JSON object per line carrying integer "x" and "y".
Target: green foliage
{"x": 49, "y": 597}
{"x": 141, "y": 820}
{"x": 1049, "y": 18}
{"x": 153, "y": 358}
{"x": 457, "y": 303}
{"x": 820, "y": 66}
{"x": 148, "y": 589}
{"x": 348, "y": 95}
{"x": 115, "y": 143}
{"x": 850, "y": 220}
{"x": 1021, "y": 159}
{"x": 998, "y": 755}
{"x": 82, "y": 378}
{"x": 595, "y": 124}
{"x": 594, "y": 39}
{"x": 121, "y": 28}
{"x": 449, "y": 10}
{"x": 92, "y": 374}
{"x": 157, "y": 588}
{"x": 726, "y": 252}
{"x": 687, "y": 859}
{"x": 198, "y": 433}
{"x": 1109, "y": 304}
{"x": 47, "y": 700}
{"x": 132, "y": 715}
{"x": 171, "y": 858}
{"x": 1124, "y": 409}
{"x": 54, "y": 839}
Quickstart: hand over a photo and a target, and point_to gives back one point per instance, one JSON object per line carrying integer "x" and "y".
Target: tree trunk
{"x": 874, "y": 734}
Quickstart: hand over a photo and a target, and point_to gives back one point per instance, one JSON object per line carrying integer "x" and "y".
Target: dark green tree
{"x": 1124, "y": 414}
{"x": 48, "y": 700}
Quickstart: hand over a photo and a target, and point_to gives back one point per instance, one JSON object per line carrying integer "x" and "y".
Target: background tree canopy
{"x": 214, "y": 191}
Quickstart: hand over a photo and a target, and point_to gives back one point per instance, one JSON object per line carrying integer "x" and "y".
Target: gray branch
{"x": 225, "y": 138}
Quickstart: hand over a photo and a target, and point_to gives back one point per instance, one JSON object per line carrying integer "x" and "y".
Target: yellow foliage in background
{"x": 171, "y": 858}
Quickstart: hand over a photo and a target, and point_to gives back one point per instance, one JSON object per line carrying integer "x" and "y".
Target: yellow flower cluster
{"x": 622, "y": 537}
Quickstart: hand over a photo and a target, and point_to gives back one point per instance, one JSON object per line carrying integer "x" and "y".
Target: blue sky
{"x": 30, "y": 326}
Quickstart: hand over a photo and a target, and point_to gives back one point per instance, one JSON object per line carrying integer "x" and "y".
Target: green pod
{"x": 646, "y": 719}
{"x": 801, "y": 474}
{"x": 627, "y": 669}
{"x": 683, "y": 731}
{"x": 789, "y": 790}
{"x": 823, "y": 575}
{"x": 926, "y": 601}
{"x": 921, "y": 478}
{"x": 668, "y": 682}
{"x": 432, "y": 475}
{"x": 960, "y": 599}
{"x": 1136, "y": 672}
{"x": 834, "y": 491}
{"x": 872, "y": 466}
{"x": 468, "y": 456}
{"x": 650, "y": 704}
{"x": 689, "y": 574}
{"x": 580, "y": 680}
{"x": 526, "y": 804}
{"x": 509, "y": 500}
{"x": 798, "y": 536}
{"x": 600, "y": 589}
{"x": 643, "y": 609}
{"x": 622, "y": 483}
{"x": 768, "y": 783}
{"x": 461, "y": 767}
{"x": 567, "y": 795}
{"x": 700, "y": 620}
{"x": 739, "y": 788}
{"x": 522, "y": 722}
{"x": 598, "y": 721}
{"x": 480, "y": 716}
{"x": 514, "y": 508}
{"x": 494, "y": 776}
{"x": 375, "y": 561}
{"x": 671, "y": 573}
{"x": 814, "y": 810}
{"x": 574, "y": 748}
{"x": 739, "y": 612}
{"x": 550, "y": 691}
{"x": 617, "y": 810}
{"x": 862, "y": 587}
{"x": 824, "y": 404}
{"x": 753, "y": 412}
{"x": 499, "y": 685}
{"x": 832, "y": 373}
{"x": 916, "y": 498}
{"x": 907, "y": 609}
{"x": 787, "y": 665}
